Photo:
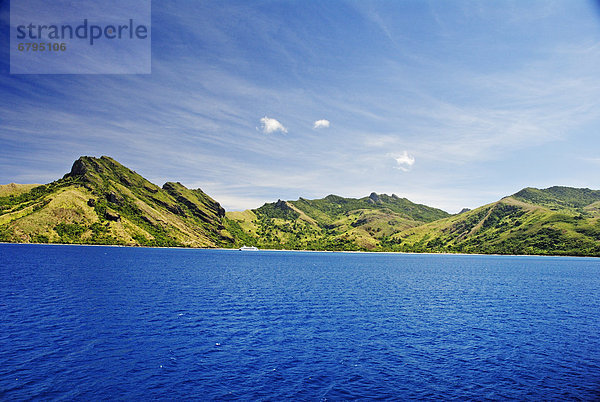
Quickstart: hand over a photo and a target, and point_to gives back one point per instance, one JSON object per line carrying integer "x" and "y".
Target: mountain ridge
{"x": 100, "y": 201}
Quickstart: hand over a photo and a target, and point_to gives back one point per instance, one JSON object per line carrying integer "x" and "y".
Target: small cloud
{"x": 268, "y": 125}
{"x": 321, "y": 124}
{"x": 404, "y": 161}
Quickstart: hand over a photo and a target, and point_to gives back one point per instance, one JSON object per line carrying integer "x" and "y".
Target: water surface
{"x": 92, "y": 323}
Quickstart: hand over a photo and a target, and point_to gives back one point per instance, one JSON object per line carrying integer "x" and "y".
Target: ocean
{"x": 116, "y": 323}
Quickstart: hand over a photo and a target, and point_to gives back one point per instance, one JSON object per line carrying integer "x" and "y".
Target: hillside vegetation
{"x": 554, "y": 221}
{"x": 15, "y": 189}
{"x": 101, "y": 201}
{"x": 332, "y": 223}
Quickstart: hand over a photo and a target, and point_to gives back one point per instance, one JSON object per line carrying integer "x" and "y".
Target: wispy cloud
{"x": 321, "y": 124}
{"x": 595, "y": 161}
{"x": 269, "y": 125}
{"x": 461, "y": 100}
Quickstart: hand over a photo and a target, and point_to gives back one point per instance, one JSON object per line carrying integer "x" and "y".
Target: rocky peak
{"x": 79, "y": 168}
{"x": 282, "y": 205}
{"x": 86, "y": 165}
{"x": 374, "y": 197}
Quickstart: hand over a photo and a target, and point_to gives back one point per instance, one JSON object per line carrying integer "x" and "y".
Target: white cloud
{"x": 268, "y": 125}
{"x": 404, "y": 161}
{"x": 321, "y": 124}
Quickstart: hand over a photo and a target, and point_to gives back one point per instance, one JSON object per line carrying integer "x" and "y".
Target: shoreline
{"x": 304, "y": 251}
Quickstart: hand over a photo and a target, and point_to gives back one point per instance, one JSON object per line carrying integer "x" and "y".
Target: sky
{"x": 452, "y": 104}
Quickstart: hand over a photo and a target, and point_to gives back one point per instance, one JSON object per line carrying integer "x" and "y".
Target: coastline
{"x": 306, "y": 251}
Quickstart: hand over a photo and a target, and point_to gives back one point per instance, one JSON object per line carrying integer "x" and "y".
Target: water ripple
{"x": 95, "y": 323}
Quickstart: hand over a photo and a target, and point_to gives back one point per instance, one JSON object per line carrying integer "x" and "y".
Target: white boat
{"x": 248, "y": 248}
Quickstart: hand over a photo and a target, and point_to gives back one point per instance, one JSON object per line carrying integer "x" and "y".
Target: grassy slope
{"x": 15, "y": 189}
{"x": 102, "y": 202}
{"x": 332, "y": 223}
{"x": 555, "y": 221}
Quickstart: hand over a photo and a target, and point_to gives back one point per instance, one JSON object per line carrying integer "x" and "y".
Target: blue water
{"x": 92, "y": 323}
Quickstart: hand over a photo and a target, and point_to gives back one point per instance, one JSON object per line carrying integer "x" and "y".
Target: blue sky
{"x": 448, "y": 103}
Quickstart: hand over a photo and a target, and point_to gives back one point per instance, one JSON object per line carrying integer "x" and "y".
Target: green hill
{"x": 553, "y": 221}
{"x": 559, "y": 198}
{"x": 332, "y": 223}
{"x": 102, "y": 202}
{"x": 15, "y": 189}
